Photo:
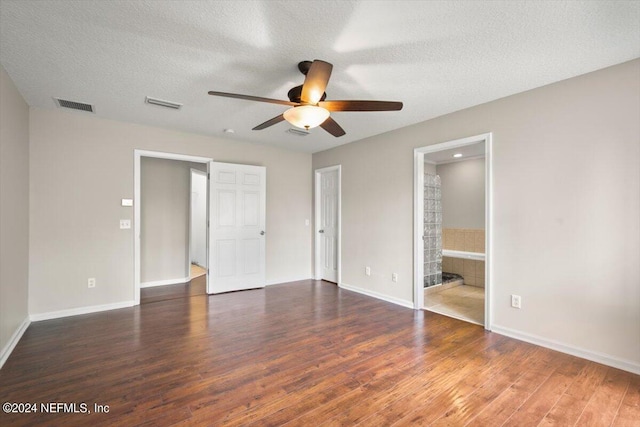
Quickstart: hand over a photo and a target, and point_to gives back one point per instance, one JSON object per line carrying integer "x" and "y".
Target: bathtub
{"x": 477, "y": 256}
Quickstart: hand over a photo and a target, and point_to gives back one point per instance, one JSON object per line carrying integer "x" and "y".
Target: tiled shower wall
{"x": 468, "y": 240}
{"x": 463, "y": 239}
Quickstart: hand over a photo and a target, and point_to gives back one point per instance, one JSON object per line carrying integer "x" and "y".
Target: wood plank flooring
{"x": 302, "y": 354}
{"x": 194, "y": 287}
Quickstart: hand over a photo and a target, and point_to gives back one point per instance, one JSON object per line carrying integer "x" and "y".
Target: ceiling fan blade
{"x": 253, "y": 98}
{"x": 270, "y": 122}
{"x": 361, "y": 105}
{"x": 316, "y": 81}
{"x": 332, "y": 127}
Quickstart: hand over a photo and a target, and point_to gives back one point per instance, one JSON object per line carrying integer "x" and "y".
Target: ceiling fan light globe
{"x": 306, "y": 116}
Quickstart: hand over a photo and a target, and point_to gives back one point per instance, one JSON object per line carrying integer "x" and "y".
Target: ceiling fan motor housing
{"x": 295, "y": 93}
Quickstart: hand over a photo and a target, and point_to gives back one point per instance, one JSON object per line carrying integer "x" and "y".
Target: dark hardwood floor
{"x": 196, "y": 286}
{"x": 302, "y": 354}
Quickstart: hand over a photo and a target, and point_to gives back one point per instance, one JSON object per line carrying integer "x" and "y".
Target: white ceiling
{"x": 473, "y": 151}
{"x": 435, "y": 56}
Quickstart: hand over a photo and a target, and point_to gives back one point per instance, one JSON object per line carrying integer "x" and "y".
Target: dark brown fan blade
{"x": 316, "y": 81}
{"x": 270, "y": 122}
{"x": 361, "y": 105}
{"x": 252, "y": 98}
{"x": 332, "y": 127}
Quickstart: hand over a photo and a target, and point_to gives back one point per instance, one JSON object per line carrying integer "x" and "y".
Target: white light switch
{"x": 306, "y": 222}
{"x": 125, "y": 224}
{"x": 127, "y": 202}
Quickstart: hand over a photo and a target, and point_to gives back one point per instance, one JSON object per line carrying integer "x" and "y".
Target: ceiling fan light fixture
{"x": 306, "y": 116}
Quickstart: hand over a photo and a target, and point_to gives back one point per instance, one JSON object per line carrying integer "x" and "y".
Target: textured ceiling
{"x": 436, "y": 57}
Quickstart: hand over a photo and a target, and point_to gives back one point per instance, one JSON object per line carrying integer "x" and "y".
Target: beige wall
{"x": 14, "y": 209}
{"x": 463, "y": 189}
{"x": 164, "y": 209}
{"x": 566, "y": 236}
{"x": 81, "y": 166}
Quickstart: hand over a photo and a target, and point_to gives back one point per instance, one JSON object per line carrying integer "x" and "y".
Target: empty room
{"x": 318, "y": 213}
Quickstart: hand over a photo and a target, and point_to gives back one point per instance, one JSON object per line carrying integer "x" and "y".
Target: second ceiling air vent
{"x": 74, "y": 105}
{"x": 298, "y": 132}
{"x": 162, "y": 103}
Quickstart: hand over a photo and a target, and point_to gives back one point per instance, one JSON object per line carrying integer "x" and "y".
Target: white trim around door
{"x": 137, "y": 156}
{"x": 317, "y": 224}
{"x": 418, "y": 215}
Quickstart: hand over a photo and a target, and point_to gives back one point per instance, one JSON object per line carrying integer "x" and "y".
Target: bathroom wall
{"x": 463, "y": 216}
{"x": 471, "y": 271}
{"x": 463, "y": 239}
{"x": 430, "y": 168}
{"x": 463, "y": 189}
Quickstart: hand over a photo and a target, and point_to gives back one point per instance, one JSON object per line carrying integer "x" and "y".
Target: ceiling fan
{"x": 308, "y": 106}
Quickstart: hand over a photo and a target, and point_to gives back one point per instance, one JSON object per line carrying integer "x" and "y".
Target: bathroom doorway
{"x": 452, "y": 223}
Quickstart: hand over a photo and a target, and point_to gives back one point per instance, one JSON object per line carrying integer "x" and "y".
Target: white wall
{"x": 14, "y": 212}
{"x": 430, "y": 168}
{"x": 566, "y": 234}
{"x": 81, "y": 166}
{"x": 164, "y": 211}
{"x": 463, "y": 194}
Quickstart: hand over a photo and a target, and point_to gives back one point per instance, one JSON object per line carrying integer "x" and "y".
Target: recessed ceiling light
{"x": 229, "y": 131}
{"x": 457, "y": 155}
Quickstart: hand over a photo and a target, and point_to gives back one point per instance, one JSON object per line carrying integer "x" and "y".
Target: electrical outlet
{"x": 394, "y": 277}
{"x": 367, "y": 271}
{"x": 125, "y": 224}
{"x": 516, "y": 301}
{"x": 91, "y": 282}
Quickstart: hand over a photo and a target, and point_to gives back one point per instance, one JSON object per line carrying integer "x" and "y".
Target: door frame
{"x": 418, "y": 215}
{"x": 198, "y": 172}
{"x": 137, "y": 226}
{"x": 317, "y": 274}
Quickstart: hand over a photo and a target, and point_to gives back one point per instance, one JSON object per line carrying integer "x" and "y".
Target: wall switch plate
{"x": 516, "y": 301}
{"x": 367, "y": 271}
{"x": 306, "y": 222}
{"x": 127, "y": 202}
{"x": 394, "y": 277}
{"x": 91, "y": 282}
{"x": 125, "y": 224}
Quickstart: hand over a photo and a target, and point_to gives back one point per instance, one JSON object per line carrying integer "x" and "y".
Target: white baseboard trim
{"x": 287, "y": 280}
{"x": 625, "y": 365}
{"x": 164, "y": 282}
{"x": 13, "y": 341}
{"x": 374, "y": 294}
{"x": 80, "y": 310}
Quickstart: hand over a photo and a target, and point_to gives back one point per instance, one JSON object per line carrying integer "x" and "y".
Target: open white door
{"x": 237, "y": 204}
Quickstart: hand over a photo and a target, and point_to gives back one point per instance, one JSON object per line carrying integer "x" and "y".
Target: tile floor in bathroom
{"x": 462, "y": 302}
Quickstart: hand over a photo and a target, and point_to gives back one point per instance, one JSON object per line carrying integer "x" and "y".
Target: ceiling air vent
{"x": 74, "y": 105}
{"x": 161, "y": 103}
{"x": 298, "y": 132}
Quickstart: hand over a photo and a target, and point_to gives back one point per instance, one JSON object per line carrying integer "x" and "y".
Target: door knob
{"x": 262, "y": 233}
{"x": 320, "y": 231}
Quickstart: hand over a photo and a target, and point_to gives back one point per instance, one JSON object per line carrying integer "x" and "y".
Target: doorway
{"x": 137, "y": 221}
{"x": 198, "y": 224}
{"x": 452, "y": 235}
{"x": 327, "y": 203}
